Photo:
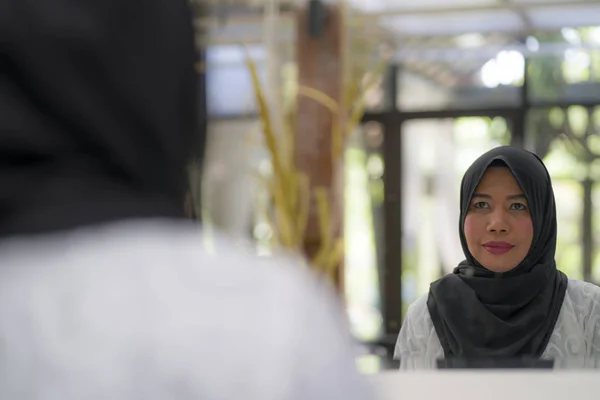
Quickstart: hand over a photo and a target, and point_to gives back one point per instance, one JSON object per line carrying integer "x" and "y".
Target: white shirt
{"x": 144, "y": 311}
{"x": 575, "y": 341}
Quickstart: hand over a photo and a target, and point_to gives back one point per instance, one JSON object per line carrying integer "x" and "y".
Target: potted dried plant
{"x": 289, "y": 188}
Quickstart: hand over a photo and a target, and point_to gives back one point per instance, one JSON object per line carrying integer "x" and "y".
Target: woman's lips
{"x": 497, "y": 248}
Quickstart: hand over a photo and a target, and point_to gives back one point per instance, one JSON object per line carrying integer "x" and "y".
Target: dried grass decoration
{"x": 289, "y": 188}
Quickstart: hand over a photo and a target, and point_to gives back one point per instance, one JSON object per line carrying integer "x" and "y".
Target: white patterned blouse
{"x": 574, "y": 344}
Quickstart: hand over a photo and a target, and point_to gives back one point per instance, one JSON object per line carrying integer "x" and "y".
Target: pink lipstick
{"x": 498, "y": 248}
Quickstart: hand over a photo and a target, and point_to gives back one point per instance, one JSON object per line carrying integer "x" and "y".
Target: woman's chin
{"x": 498, "y": 266}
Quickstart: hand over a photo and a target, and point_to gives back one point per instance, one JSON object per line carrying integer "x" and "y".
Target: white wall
{"x": 488, "y": 385}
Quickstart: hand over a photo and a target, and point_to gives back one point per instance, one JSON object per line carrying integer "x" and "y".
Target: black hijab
{"x": 98, "y": 111}
{"x": 480, "y": 313}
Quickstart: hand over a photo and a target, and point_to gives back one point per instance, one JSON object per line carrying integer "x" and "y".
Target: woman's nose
{"x": 498, "y": 221}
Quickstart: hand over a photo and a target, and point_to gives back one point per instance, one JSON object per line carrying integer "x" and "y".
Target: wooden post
{"x": 319, "y": 59}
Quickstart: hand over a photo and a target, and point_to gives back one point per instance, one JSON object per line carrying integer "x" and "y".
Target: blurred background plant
{"x": 291, "y": 193}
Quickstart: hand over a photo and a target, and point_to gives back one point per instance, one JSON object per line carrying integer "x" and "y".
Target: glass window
{"x": 363, "y": 230}
{"x": 570, "y": 72}
{"x": 568, "y": 140}
{"x": 229, "y": 90}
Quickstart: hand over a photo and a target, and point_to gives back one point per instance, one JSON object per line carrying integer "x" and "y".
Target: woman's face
{"x": 498, "y": 226}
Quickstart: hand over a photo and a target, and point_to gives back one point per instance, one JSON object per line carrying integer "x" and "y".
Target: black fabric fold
{"x": 478, "y": 313}
{"x": 98, "y": 111}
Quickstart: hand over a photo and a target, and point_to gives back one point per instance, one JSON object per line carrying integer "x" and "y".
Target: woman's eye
{"x": 518, "y": 207}
{"x": 480, "y": 205}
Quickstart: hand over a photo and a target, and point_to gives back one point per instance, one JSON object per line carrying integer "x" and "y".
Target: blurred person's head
{"x": 99, "y": 112}
{"x": 508, "y": 215}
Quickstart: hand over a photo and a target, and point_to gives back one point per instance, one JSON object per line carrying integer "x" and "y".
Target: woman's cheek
{"x": 472, "y": 228}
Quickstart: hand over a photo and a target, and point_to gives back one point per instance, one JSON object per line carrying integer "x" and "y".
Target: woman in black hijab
{"x": 506, "y": 300}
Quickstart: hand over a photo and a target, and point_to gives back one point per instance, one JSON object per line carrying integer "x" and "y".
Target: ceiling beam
{"x": 447, "y": 54}
{"x": 485, "y": 52}
{"x": 525, "y": 5}
{"x": 520, "y": 12}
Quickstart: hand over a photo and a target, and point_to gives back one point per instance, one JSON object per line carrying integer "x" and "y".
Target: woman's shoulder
{"x": 418, "y": 308}
{"x": 583, "y": 300}
{"x": 581, "y": 292}
{"x": 417, "y": 320}
{"x": 417, "y": 314}
{"x": 418, "y": 345}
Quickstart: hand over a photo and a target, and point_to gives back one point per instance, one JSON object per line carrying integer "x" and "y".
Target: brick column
{"x": 319, "y": 62}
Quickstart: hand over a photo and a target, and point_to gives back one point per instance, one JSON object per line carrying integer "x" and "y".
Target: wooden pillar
{"x": 319, "y": 59}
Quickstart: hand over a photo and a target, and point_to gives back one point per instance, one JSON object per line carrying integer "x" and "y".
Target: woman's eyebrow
{"x": 509, "y": 197}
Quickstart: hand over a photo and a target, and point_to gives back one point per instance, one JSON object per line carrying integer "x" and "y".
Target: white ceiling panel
{"x": 405, "y": 5}
{"x": 550, "y": 2}
{"x": 434, "y": 17}
{"x": 559, "y": 17}
{"x": 453, "y": 23}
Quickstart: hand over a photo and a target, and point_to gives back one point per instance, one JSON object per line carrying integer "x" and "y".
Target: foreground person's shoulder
{"x": 203, "y": 307}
